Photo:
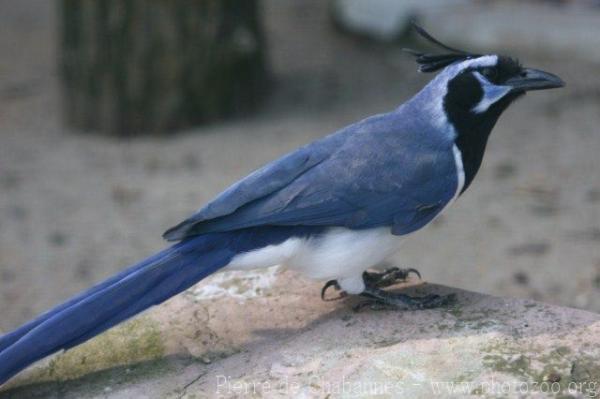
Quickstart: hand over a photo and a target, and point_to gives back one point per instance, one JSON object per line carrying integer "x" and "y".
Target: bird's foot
{"x": 382, "y": 279}
{"x": 379, "y": 299}
{"x": 388, "y": 277}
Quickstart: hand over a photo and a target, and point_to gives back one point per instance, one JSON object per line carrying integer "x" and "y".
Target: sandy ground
{"x": 77, "y": 208}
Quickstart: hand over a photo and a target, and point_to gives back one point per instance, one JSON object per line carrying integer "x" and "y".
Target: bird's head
{"x": 476, "y": 86}
{"x": 471, "y": 91}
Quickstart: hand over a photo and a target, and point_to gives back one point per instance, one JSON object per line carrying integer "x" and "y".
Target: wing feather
{"x": 258, "y": 184}
{"x": 378, "y": 172}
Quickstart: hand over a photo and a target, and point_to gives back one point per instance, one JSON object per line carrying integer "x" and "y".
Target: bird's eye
{"x": 489, "y": 73}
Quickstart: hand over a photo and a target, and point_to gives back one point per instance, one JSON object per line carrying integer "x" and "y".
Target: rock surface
{"x": 233, "y": 335}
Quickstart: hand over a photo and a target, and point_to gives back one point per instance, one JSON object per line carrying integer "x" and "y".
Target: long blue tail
{"x": 147, "y": 283}
{"x": 128, "y": 293}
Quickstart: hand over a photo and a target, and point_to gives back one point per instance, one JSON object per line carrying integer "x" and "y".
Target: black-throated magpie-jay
{"x": 331, "y": 209}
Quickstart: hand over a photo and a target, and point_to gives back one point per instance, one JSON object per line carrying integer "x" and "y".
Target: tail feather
{"x": 148, "y": 283}
{"x": 10, "y": 338}
{"x": 139, "y": 287}
{"x": 166, "y": 287}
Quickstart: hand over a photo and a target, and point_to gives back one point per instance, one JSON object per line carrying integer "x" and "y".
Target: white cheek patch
{"x": 491, "y": 94}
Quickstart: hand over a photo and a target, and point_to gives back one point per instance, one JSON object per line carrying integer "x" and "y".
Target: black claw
{"x": 334, "y": 284}
{"x": 389, "y": 276}
{"x": 402, "y": 274}
{"x": 415, "y": 271}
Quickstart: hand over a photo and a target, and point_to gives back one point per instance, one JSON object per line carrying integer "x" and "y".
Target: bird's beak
{"x": 534, "y": 79}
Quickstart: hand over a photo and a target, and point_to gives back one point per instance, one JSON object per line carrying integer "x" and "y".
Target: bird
{"x": 334, "y": 210}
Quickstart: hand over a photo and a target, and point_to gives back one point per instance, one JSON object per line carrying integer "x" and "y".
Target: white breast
{"x": 338, "y": 254}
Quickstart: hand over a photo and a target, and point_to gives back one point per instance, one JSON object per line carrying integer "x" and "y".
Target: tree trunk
{"x": 153, "y": 66}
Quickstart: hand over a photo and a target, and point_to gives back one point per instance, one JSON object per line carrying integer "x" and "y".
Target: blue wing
{"x": 382, "y": 171}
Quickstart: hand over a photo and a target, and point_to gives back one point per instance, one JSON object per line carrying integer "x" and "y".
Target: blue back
{"x": 391, "y": 169}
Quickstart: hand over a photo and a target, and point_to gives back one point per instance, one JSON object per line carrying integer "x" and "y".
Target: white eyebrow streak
{"x": 438, "y": 88}
{"x": 491, "y": 94}
{"x": 483, "y": 61}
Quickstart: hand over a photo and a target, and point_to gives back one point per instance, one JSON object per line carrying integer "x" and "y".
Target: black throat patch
{"x": 472, "y": 129}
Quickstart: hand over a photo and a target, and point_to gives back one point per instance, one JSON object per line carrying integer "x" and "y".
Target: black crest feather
{"x": 434, "y": 62}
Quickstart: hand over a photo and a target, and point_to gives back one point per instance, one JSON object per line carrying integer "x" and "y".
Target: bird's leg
{"x": 379, "y": 299}
{"x": 388, "y": 277}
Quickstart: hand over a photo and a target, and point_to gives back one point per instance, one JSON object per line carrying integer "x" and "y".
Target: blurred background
{"x": 120, "y": 118}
